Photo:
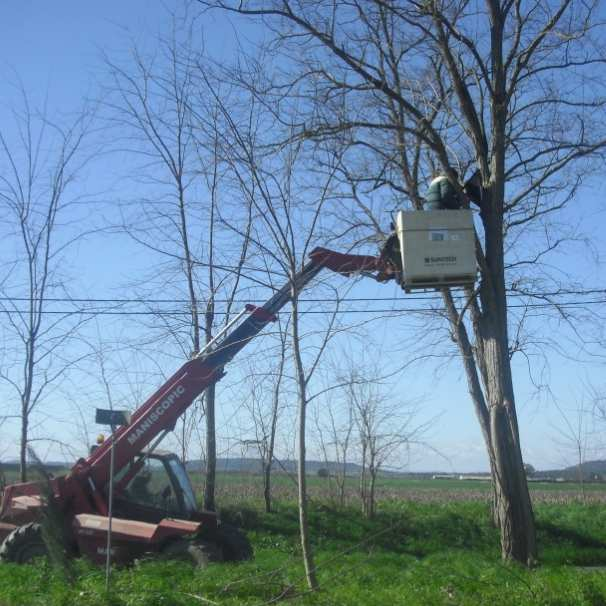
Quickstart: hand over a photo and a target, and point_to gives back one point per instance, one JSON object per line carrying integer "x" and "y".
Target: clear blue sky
{"x": 55, "y": 48}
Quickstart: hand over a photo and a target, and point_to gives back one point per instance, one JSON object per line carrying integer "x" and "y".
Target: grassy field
{"x": 244, "y": 487}
{"x": 416, "y": 551}
{"x": 235, "y": 487}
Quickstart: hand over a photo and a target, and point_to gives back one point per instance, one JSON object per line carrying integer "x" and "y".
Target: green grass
{"x": 412, "y": 553}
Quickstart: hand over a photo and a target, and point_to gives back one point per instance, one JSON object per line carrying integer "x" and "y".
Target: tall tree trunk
{"x": 308, "y": 560}
{"x": 513, "y": 507}
{"x": 211, "y": 436}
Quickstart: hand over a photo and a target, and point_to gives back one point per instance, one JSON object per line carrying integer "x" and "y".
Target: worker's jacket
{"x": 441, "y": 195}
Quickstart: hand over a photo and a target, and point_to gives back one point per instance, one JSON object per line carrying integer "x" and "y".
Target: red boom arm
{"x": 162, "y": 410}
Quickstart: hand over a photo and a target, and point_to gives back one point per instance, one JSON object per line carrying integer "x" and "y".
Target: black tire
{"x": 198, "y": 553}
{"x": 234, "y": 543}
{"x": 23, "y": 545}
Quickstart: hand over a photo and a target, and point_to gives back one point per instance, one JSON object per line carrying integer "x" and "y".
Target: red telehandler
{"x": 154, "y": 507}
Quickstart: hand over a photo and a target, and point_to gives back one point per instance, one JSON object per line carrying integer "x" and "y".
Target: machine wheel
{"x": 235, "y": 544}
{"x": 198, "y": 553}
{"x": 23, "y": 544}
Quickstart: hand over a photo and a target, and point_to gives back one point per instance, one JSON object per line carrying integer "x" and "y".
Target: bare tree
{"x": 507, "y": 87}
{"x": 386, "y": 430}
{"x": 168, "y": 116}
{"x": 336, "y": 443}
{"x": 265, "y": 418}
{"x": 303, "y": 375}
{"x": 574, "y": 436}
{"x": 39, "y": 166}
{"x": 287, "y": 211}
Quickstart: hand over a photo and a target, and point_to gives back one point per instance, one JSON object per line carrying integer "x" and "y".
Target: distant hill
{"x": 591, "y": 470}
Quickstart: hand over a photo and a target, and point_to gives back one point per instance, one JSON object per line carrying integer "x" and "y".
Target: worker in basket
{"x": 441, "y": 195}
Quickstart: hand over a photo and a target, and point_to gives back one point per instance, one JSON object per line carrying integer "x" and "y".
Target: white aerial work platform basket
{"x": 437, "y": 248}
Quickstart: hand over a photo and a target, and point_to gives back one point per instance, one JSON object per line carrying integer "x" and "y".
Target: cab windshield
{"x": 187, "y": 492}
{"x": 151, "y": 486}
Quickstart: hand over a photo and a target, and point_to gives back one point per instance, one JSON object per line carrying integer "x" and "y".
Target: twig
{"x": 199, "y": 597}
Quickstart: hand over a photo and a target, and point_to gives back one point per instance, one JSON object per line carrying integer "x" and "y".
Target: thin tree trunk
{"x": 363, "y": 478}
{"x": 474, "y": 385}
{"x": 580, "y": 476}
{"x": 184, "y": 438}
{"x": 28, "y": 376}
{"x": 209, "y": 317}
{"x": 211, "y": 436}
{"x": 23, "y": 445}
{"x": 267, "y": 485}
{"x": 308, "y": 560}
{"x": 370, "y": 510}
{"x": 342, "y": 474}
{"x": 340, "y": 479}
{"x": 211, "y": 450}
{"x": 272, "y": 433}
